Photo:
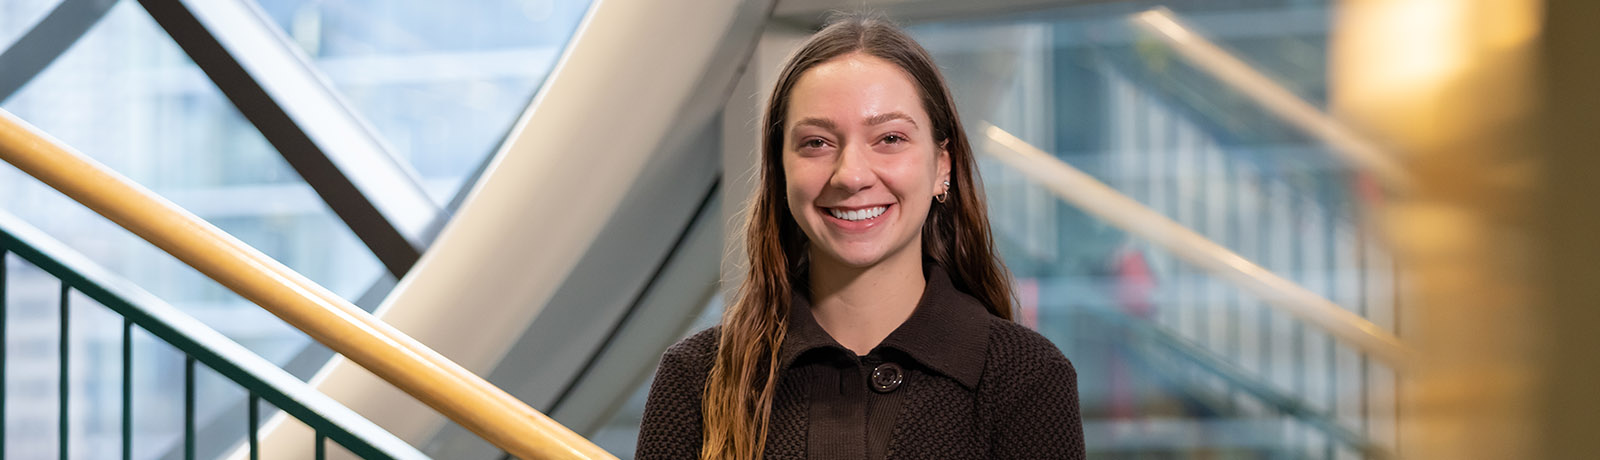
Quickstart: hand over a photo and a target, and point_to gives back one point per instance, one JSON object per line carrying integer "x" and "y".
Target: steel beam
{"x": 276, "y": 87}
{"x": 46, "y": 41}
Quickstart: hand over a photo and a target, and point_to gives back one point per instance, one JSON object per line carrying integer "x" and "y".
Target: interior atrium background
{"x": 1173, "y": 361}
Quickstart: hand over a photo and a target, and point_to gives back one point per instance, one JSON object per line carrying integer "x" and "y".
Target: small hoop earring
{"x": 946, "y": 195}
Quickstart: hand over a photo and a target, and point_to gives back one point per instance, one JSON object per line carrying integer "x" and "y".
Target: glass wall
{"x": 20, "y": 15}
{"x": 1174, "y": 360}
{"x": 440, "y": 85}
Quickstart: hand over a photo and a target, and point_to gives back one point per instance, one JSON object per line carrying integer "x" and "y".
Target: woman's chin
{"x": 859, "y": 261}
{"x": 857, "y": 257}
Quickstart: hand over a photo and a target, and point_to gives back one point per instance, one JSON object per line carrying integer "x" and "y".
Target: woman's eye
{"x": 893, "y": 139}
{"x": 813, "y": 143}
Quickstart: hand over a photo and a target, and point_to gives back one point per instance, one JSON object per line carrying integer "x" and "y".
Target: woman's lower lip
{"x": 856, "y": 225}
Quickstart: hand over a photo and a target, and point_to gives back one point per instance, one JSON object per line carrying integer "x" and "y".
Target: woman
{"x": 872, "y": 285}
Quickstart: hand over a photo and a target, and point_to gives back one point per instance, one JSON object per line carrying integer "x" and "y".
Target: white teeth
{"x": 860, "y": 214}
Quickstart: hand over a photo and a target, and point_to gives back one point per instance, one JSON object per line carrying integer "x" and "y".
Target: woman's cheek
{"x": 807, "y": 178}
{"x": 905, "y": 175}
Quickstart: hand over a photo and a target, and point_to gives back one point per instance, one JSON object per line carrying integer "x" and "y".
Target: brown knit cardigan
{"x": 981, "y": 388}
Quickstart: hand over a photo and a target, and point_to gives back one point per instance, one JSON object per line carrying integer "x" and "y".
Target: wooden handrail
{"x": 455, "y": 392}
{"x": 1100, "y": 200}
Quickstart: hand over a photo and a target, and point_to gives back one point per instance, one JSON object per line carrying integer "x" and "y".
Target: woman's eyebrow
{"x": 886, "y": 117}
{"x": 818, "y": 122}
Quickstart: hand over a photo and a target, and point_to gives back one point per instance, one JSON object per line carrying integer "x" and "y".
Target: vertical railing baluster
{"x": 1297, "y": 251}
{"x": 1366, "y": 406}
{"x": 1395, "y": 412}
{"x": 1362, "y": 307}
{"x": 1330, "y": 265}
{"x": 1230, "y": 297}
{"x": 254, "y": 403}
{"x": 1264, "y": 254}
{"x": 1333, "y": 395}
{"x": 188, "y": 407}
{"x": 1236, "y": 220}
{"x": 4, "y": 305}
{"x": 1200, "y": 224}
{"x": 1301, "y": 391}
{"x": 127, "y": 388}
{"x": 322, "y": 446}
{"x": 65, "y": 385}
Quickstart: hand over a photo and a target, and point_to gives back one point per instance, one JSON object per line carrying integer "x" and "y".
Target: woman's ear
{"x": 941, "y": 174}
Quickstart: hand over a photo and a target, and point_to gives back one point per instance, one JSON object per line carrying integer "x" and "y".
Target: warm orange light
{"x": 1412, "y": 44}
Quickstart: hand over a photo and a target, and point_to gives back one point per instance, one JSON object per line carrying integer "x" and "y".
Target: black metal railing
{"x": 199, "y": 344}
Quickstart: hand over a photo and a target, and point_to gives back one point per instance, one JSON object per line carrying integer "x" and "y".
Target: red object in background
{"x": 1135, "y": 285}
{"x": 1028, "y": 302}
{"x": 1367, "y": 189}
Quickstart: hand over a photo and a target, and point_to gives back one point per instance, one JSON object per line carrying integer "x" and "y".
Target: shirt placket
{"x": 839, "y": 412}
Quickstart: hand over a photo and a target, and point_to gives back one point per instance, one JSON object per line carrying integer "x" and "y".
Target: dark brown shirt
{"x": 953, "y": 381}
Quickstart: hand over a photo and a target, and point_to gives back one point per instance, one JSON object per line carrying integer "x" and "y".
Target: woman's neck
{"x": 859, "y": 307}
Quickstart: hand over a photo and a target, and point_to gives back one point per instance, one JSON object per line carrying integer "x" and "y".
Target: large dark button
{"x": 886, "y": 377}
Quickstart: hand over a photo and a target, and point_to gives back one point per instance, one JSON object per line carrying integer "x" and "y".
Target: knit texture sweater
{"x": 974, "y": 386}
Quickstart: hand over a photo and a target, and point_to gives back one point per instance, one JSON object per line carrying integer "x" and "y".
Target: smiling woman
{"x": 860, "y": 172}
{"x": 875, "y": 319}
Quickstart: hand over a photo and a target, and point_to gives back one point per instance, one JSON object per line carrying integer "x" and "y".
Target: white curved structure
{"x": 640, "y": 77}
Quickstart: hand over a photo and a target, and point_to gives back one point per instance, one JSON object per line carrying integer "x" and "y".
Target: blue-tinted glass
{"x": 441, "y": 84}
{"x": 127, "y": 96}
{"x": 1173, "y": 360}
{"x": 18, "y": 16}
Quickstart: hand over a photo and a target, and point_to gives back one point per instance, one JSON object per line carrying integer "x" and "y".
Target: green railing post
{"x": 127, "y": 388}
{"x": 188, "y": 407}
{"x": 254, "y": 403}
{"x": 65, "y": 383}
{"x": 4, "y": 305}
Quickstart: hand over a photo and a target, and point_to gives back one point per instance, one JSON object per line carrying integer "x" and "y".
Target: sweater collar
{"x": 948, "y": 332}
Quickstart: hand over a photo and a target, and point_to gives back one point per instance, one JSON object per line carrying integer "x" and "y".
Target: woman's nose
{"x": 852, "y": 171}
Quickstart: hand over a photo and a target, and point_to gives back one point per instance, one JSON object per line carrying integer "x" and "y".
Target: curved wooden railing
{"x": 455, "y": 392}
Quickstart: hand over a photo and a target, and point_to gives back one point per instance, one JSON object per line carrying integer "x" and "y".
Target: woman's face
{"x": 860, "y": 161}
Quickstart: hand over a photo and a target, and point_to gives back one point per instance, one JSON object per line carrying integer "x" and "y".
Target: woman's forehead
{"x": 856, "y": 88}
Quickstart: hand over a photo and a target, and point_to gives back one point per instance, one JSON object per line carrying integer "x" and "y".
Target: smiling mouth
{"x": 857, "y": 215}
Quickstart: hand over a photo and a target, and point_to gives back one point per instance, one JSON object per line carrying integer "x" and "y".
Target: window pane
{"x": 19, "y": 16}
{"x": 1171, "y": 358}
{"x": 442, "y": 84}
{"x": 129, "y": 97}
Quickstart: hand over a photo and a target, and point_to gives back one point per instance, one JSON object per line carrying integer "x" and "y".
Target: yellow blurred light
{"x": 1411, "y": 44}
{"x": 1514, "y": 24}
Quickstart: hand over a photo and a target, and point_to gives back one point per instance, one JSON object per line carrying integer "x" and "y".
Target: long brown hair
{"x": 739, "y": 391}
